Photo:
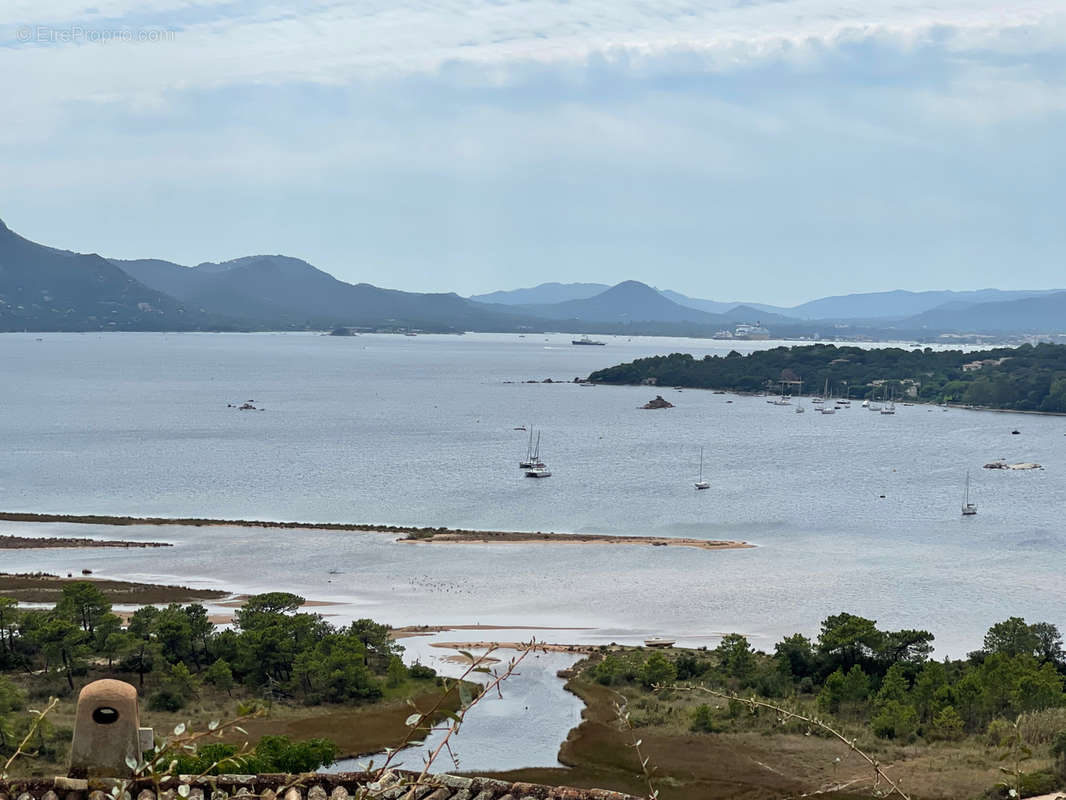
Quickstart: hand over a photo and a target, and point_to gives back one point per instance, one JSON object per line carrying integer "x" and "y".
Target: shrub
{"x": 1058, "y": 752}
{"x": 166, "y": 700}
{"x": 271, "y": 754}
{"x": 219, "y": 675}
{"x": 946, "y": 726}
{"x": 1038, "y": 783}
{"x": 421, "y": 671}
{"x": 609, "y": 671}
{"x": 688, "y": 667}
{"x": 658, "y": 670}
{"x": 396, "y": 673}
{"x": 703, "y": 720}
{"x": 11, "y": 699}
{"x": 896, "y": 720}
{"x": 999, "y": 733}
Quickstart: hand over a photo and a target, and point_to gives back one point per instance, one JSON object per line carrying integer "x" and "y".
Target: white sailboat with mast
{"x": 537, "y": 468}
{"x": 701, "y": 483}
{"x": 968, "y": 508}
{"x": 891, "y": 407}
{"x": 827, "y": 408}
{"x": 532, "y": 459}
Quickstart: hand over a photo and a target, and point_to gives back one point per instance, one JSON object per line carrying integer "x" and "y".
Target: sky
{"x": 763, "y": 150}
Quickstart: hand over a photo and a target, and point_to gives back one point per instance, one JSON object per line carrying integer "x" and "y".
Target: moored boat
{"x": 659, "y": 641}
{"x": 701, "y": 483}
{"x": 968, "y": 508}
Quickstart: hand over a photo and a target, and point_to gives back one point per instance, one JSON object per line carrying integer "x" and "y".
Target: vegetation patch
{"x": 1025, "y": 378}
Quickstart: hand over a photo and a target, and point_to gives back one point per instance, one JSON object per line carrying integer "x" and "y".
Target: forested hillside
{"x": 1025, "y": 378}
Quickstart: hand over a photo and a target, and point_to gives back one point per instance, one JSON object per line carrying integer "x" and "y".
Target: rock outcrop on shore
{"x": 658, "y": 402}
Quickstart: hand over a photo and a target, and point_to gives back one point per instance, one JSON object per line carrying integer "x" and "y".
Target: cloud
{"x": 733, "y": 149}
{"x": 226, "y": 43}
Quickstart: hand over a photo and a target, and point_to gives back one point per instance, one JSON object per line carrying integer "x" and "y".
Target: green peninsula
{"x": 1025, "y": 378}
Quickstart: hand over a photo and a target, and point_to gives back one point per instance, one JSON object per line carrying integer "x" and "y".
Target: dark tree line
{"x": 1026, "y": 378}
{"x": 272, "y": 650}
{"x": 886, "y": 679}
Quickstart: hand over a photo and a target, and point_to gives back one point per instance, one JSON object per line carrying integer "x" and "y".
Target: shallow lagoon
{"x": 419, "y": 431}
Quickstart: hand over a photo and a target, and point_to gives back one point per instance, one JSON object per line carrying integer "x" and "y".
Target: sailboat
{"x": 874, "y": 405}
{"x": 968, "y": 508}
{"x": 537, "y": 468}
{"x": 532, "y": 458}
{"x": 701, "y": 483}
{"x": 891, "y": 407}
{"x": 826, "y": 396}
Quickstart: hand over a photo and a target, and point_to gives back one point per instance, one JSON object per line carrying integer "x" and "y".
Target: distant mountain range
{"x": 42, "y": 288}
{"x": 896, "y": 305}
{"x": 289, "y": 292}
{"x": 542, "y": 294}
{"x": 900, "y": 304}
{"x": 629, "y": 301}
{"x": 1045, "y": 312}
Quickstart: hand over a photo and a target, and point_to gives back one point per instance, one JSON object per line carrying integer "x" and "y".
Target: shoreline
{"x": 46, "y": 588}
{"x": 409, "y": 631}
{"x": 13, "y": 542}
{"x": 517, "y": 537}
{"x": 913, "y": 402}
{"x": 411, "y": 533}
{"x": 535, "y": 647}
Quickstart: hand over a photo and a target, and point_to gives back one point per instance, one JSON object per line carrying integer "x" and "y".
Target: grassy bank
{"x": 748, "y": 755}
{"x": 43, "y": 588}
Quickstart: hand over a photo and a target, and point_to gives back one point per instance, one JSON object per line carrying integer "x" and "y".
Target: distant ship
{"x": 751, "y": 332}
{"x": 586, "y": 340}
{"x": 744, "y": 331}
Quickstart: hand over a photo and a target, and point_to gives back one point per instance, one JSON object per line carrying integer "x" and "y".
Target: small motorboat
{"x": 659, "y": 641}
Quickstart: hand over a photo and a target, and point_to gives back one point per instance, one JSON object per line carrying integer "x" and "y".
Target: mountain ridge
{"x": 64, "y": 290}
{"x": 45, "y": 288}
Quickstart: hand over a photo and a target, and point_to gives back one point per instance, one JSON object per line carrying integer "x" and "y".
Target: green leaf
{"x": 131, "y": 762}
{"x": 183, "y": 790}
{"x": 212, "y": 725}
{"x": 412, "y": 720}
{"x": 179, "y": 729}
{"x": 464, "y": 694}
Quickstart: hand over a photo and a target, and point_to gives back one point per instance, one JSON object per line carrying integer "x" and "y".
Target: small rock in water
{"x": 658, "y": 402}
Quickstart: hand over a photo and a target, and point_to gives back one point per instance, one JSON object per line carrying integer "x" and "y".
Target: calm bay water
{"x": 419, "y": 431}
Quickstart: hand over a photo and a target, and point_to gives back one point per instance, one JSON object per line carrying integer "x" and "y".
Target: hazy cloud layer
{"x": 766, "y": 150}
